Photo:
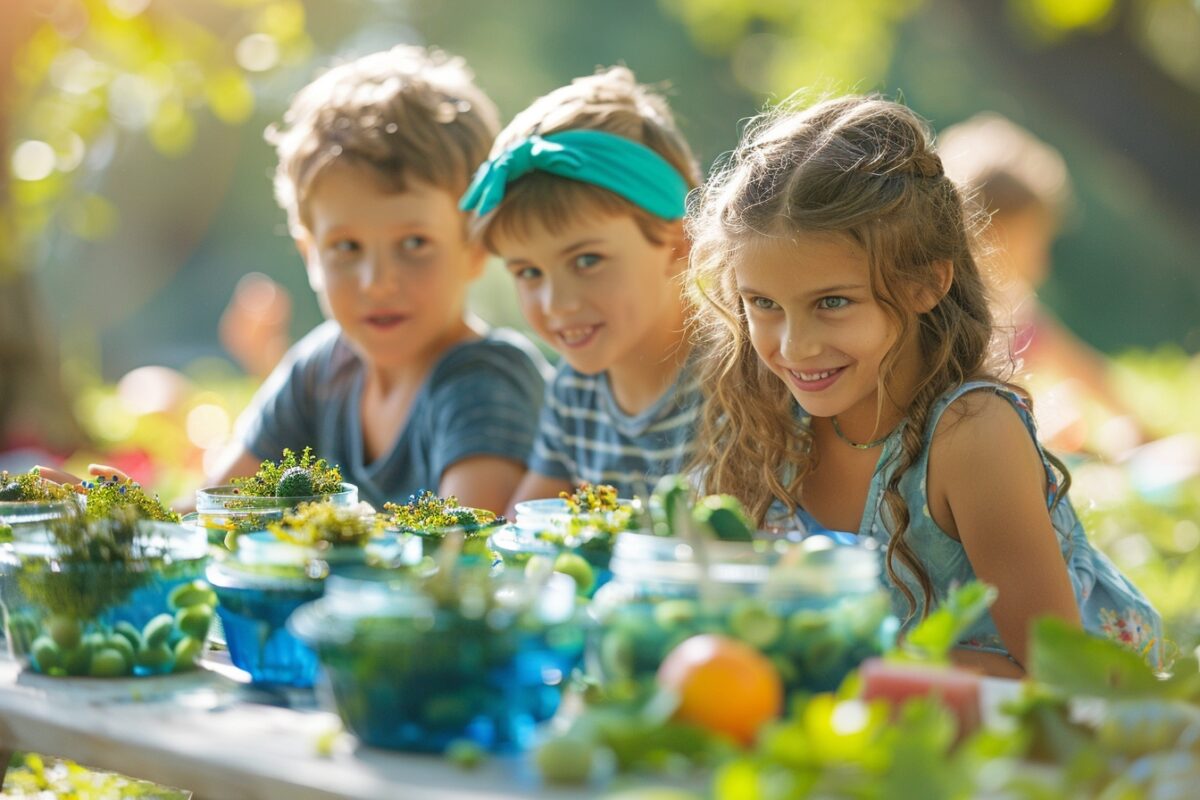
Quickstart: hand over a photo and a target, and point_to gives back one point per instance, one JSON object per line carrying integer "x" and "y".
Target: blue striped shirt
{"x": 583, "y": 435}
{"x": 481, "y": 398}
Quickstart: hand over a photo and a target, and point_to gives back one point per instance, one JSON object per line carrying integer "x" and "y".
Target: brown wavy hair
{"x": 405, "y": 113}
{"x": 863, "y": 168}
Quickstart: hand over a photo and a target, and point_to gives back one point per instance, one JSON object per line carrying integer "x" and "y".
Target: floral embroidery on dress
{"x": 1129, "y": 628}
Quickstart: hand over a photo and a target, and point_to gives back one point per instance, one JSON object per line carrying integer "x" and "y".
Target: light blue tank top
{"x": 1109, "y": 604}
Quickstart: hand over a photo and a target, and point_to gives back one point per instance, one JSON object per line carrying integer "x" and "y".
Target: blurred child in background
{"x": 1022, "y": 183}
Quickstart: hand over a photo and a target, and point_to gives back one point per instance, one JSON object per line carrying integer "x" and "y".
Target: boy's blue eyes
{"x": 585, "y": 260}
{"x": 409, "y": 244}
{"x": 527, "y": 273}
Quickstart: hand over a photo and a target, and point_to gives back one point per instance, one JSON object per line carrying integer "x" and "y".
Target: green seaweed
{"x": 325, "y": 478}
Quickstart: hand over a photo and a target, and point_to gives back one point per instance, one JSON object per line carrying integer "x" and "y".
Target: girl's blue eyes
{"x": 586, "y": 260}
{"x": 832, "y": 303}
{"x": 763, "y": 303}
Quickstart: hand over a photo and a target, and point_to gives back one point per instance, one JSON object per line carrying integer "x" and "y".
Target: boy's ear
{"x": 680, "y": 246}
{"x": 478, "y": 256}
{"x": 927, "y": 298}
{"x": 308, "y": 250}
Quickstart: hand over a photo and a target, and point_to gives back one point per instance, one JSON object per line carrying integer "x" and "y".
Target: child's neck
{"x": 387, "y": 380}
{"x": 638, "y": 381}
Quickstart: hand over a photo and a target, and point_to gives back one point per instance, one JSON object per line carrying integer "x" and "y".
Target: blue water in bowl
{"x": 258, "y": 641}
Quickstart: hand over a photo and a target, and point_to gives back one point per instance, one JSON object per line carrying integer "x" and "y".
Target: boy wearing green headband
{"x": 583, "y": 198}
{"x": 402, "y": 387}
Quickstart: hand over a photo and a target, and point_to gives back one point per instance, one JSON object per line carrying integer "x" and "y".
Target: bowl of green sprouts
{"x": 433, "y": 518}
{"x": 253, "y": 503}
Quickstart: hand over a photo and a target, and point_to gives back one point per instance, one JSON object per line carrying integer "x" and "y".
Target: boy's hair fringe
{"x": 862, "y": 168}
{"x": 613, "y": 101}
{"x": 405, "y": 113}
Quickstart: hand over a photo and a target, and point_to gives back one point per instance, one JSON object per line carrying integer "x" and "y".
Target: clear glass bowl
{"x": 262, "y": 582}
{"x": 406, "y": 674}
{"x": 221, "y": 510}
{"x": 515, "y": 546}
{"x": 475, "y": 537}
{"x": 19, "y": 513}
{"x": 815, "y": 609}
{"x": 149, "y": 615}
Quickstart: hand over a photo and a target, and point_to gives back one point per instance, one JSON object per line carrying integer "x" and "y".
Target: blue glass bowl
{"x": 157, "y": 622}
{"x": 515, "y": 547}
{"x": 261, "y": 583}
{"x": 408, "y": 675}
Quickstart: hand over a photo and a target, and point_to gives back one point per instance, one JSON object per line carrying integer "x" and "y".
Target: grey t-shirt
{"x": 583, "y": 435}
{"x": 481, "y": 398}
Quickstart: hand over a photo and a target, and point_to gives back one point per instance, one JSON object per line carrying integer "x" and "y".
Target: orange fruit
{"x": 723, "y": 685}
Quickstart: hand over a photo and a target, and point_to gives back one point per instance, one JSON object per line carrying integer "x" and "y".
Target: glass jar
{"x": 475, "y": 537}
{"x": 515, "y": 547}
{"x": 262, "y": 581}
{"x": 145, "y": 613}
{"x": 815, "y": 609}
{"x": 222, "y": 510}
{"x": 409, "y": 673}
{"x": 548, "y": 527}
{"x": 18, "y": 513}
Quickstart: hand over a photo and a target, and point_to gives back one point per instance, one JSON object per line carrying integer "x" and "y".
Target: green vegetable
{"x": 323, "y": 477}
{"x": 186, "y": 651}
{"x": 196, "y": 593}
{"x": 578, "y": 568}
{"x": 295, "y": 482}
{"x": 157, "y": 631}
{"x": 465, "y": 754}
{"x": 108, "y": 663}
{"x": 724, "y": 517}
{"x": 565, "y": 760}
{"x": 193, "y": 621}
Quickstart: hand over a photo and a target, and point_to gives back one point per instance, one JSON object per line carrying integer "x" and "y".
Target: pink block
{"x": 956, "y": 689}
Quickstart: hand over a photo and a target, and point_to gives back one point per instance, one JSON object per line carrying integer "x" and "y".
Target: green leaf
{"x": 934, "y": 637}
{"x": 1070, "y": 660}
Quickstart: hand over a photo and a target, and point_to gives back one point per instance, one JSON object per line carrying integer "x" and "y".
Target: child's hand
{"x": 254, "y": 326}
{"x": 102, "y": 472}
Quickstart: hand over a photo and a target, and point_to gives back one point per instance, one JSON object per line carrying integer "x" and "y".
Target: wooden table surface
{"x": 208, "y": 732}
{"x": 203, "y": 732}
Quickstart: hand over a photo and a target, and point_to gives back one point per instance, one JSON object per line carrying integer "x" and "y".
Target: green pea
{"x": 158, "y": 658}
{"x": 187, "y": 651}
{"x": 755, "y": 624}
{"x": 46, "y": 654}
{"x": 66, "y": 632}
{"x": 129, "y": 632}
{"x": 196, "y": 593}
{"x": 77, "y": 661}
{"x": 120, "y": 644}
{"x": 21, "y": 632}
{"x": 108, "y": 662}
{"x": 157, "y": 631}
{"x": 670, "y": 614}
{"x": 194, "y": 621}
{"x": 465, "y": 753}
{"x": 566, "y": 760}
{"x": 616, "y": 655}
{"x": 95, "y": 640}
{"x": 578, "y": 568}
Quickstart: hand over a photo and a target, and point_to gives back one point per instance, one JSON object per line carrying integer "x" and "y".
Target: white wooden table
{"x": 197, "y": 732}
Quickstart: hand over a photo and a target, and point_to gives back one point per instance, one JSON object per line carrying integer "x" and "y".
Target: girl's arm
{"x": 987, "y": 488}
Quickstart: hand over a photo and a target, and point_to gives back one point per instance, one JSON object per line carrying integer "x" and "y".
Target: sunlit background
{"x": 137, "y": 196}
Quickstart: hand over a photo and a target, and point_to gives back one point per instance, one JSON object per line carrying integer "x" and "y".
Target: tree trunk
{"x": 34, "y": 406}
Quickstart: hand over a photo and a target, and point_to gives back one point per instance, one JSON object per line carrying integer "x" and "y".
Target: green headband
{"x": 623, "y": 166}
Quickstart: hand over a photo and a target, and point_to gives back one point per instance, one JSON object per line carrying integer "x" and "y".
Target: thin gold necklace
{"x": 867, "y": 446}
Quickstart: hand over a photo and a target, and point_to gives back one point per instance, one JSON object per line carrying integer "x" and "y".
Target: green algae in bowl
{"x": 469, "y": 655}
{"x": 27, "y": 499}
{"x": 817, "y": 610}
{"x": 433, "y": 518}
{"x": 116, "y": 597}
